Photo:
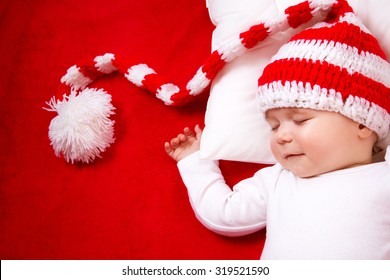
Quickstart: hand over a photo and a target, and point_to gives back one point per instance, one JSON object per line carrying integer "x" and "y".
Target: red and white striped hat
{"x": 335, "y": 65}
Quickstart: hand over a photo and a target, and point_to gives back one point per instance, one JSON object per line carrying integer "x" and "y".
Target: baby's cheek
{"x": 318, "y": 151}
{"x": 275, "y": 151}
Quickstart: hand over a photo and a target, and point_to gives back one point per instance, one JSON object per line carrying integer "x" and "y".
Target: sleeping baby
{"x": 325, "y": 96}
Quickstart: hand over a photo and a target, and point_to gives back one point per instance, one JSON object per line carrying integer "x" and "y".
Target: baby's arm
{"x": 227, "y": 212}
{"x": 184, "y": 144}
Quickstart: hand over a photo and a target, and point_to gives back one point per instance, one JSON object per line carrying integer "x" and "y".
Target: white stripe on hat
{"x": 136, "y": 74}
{"x": 104, "y": 63}
{"x": 300, "y": 95}
{"x": 276, "y": 23}
{"x": 166, "y": 91}
{"x": 232, "y": 49}
{"x": 321, "y": 4}
{"x": 350, "y": 18}
{"x": 198, "y": 83}
{"x": 75, "y": 79}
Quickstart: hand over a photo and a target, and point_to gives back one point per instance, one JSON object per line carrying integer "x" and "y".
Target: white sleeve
{"x": 225, "y": 211}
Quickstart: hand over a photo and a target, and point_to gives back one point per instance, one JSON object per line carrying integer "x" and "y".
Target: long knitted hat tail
{"x": 82, "y": 130}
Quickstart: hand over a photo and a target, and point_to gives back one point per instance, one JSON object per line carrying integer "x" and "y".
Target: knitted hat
{"x": 82, "y": 130}
{"x": 336, "y": 65}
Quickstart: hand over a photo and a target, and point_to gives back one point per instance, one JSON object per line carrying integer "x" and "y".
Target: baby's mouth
{"x": 289, "y": 156}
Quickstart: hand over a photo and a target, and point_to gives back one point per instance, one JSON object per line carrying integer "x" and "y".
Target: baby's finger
{"x": 198, "y": 131}
{"x": 167, "y": 147}
{"x": 175, "y": 142}
{"x": 188, "y": 132}
{"x": 182, "y": 137}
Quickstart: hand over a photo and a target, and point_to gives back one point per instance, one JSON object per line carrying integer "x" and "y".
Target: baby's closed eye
{"x": 273, "y": 125}
{"x": 301, "y": 121}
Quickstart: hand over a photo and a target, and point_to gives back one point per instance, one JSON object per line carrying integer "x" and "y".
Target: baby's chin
{"x": 300, "y": 167}
{"x": 301, "y": 173}
{"x": 306, "y": 172}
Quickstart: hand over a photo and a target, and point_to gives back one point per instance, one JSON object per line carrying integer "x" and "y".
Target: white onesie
{"x": 343, "y": 214}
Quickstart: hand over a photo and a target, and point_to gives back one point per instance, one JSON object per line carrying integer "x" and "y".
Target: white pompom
{"x": 82, "y": 129}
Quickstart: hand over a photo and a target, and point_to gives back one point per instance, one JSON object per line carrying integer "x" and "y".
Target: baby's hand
{"x": 184, "y": 144}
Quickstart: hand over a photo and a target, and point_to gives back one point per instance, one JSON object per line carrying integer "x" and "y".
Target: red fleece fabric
{"x": 130, "y": 204}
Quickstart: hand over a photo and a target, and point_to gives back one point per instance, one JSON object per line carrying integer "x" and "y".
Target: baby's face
{"x": 311, "y": 142}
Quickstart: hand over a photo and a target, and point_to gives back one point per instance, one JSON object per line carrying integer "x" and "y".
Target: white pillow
{"x": 234, "y": 128}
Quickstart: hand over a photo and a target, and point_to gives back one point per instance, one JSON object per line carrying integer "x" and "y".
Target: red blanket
{"x": 130, "y": 204}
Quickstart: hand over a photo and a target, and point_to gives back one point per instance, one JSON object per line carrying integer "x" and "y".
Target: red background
{"x": 131, "y": 204}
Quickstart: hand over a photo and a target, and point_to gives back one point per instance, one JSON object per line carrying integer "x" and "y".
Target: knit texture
{"x": 335, "y": 65}
{"x": 81, "y": 75}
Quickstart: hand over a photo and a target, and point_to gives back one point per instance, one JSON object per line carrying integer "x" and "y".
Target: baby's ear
{"x": 364, "y": 132}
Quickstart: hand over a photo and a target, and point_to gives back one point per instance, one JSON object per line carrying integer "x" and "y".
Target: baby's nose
{"x": 283, "y": 136}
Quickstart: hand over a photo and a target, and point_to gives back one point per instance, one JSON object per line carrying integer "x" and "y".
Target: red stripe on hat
{"x": 181, "y": 98}
{"x": 327, "y": 76}
{"x": 255, "y": 34}
{"x": 338, "y": 10}
{"x": 122, "y": 64}
{"x": 213, "y": 65}
{"x": 153, "y": 82}
{"x": 344, "y": 33}
{"x": 299, "y": 14}
{"x": 90, "y": 72}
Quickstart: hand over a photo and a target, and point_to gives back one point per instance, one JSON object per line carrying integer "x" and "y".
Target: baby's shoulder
{"x": 270, "y": 172}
